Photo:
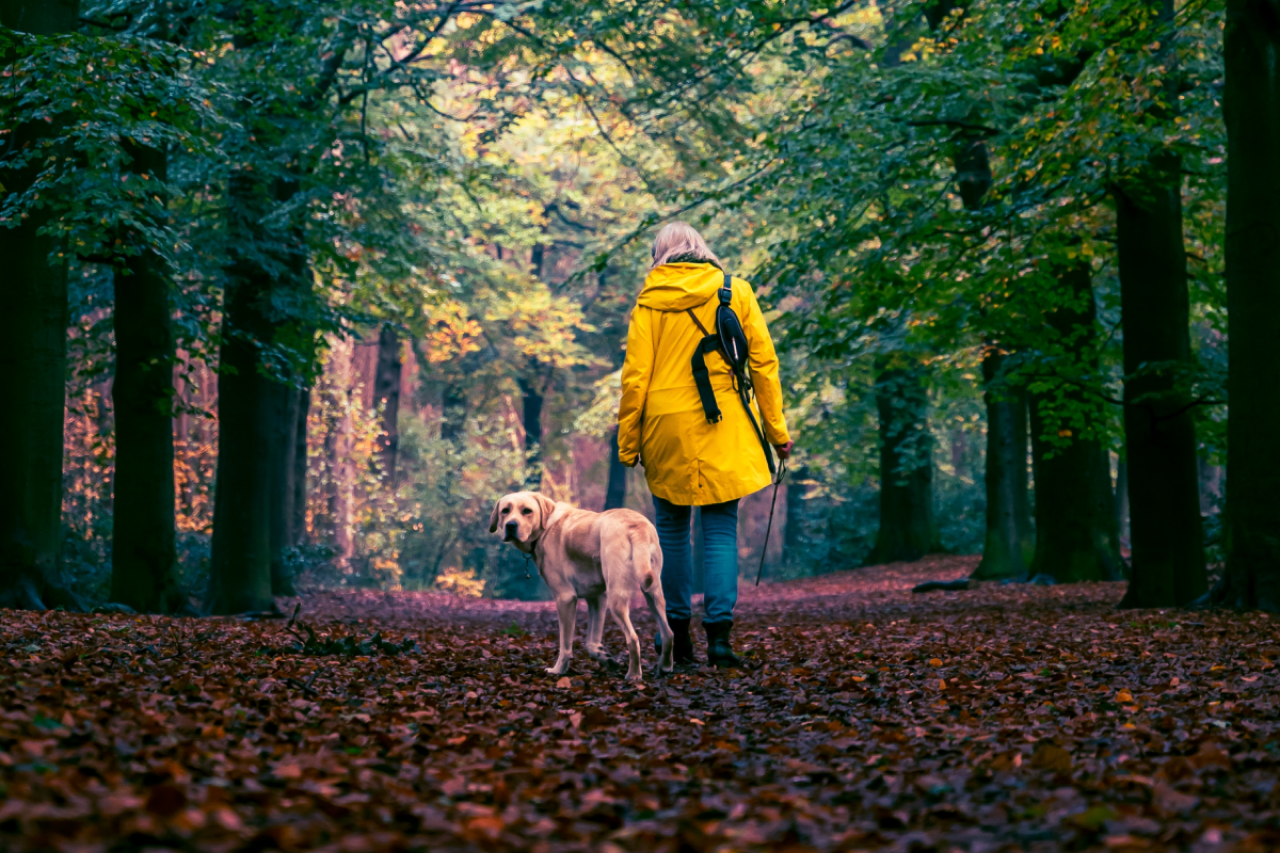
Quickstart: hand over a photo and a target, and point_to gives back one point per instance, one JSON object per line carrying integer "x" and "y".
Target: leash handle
{"x": 782, "y": 473}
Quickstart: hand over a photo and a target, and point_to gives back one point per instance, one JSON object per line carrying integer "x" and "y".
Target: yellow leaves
{"x": 564, "y": 683}
{"x": 460, "y": 582}
{"x": 453, "y": 335}
{"x": 935, "y": 662}
{"x": 1124, "y": 697}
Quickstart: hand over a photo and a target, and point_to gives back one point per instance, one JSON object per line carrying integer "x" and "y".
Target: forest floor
{"x": 999, "y": 718}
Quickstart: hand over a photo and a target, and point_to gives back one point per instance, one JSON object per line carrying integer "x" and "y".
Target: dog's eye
{"x": 527, "y": 511}
{"x": 506, "y": 509}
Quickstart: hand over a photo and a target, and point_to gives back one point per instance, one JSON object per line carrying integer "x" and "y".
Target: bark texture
{"x": 251, "y": 504}
{"x": 143, "y": 549}
{"x": 298, "y": 522}
{"x": 531, "y": 388}
{"x": 1003, "y": 554}
{"x": 1076, "y": 538}
{"x": 386, "y": 393}
{"x": 33, "y": 359}
{"x": 1168, "y": 568}
{"x": 284, "y": 435}
{"x": 248, "y": 417}
{"x": 907, "y": 530}
{"x": 1252, "y": 109}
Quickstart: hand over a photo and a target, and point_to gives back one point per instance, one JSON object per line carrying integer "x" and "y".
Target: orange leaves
{"x": 184, "y": 731}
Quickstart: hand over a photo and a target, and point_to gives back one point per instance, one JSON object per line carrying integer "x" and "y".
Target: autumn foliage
{"x": 1002, "y": 717}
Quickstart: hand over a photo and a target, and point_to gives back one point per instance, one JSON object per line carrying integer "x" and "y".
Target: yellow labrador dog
{"x": 604, "y": 557}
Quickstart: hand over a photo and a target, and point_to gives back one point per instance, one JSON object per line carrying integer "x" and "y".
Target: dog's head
{"x": 522, "y": 516}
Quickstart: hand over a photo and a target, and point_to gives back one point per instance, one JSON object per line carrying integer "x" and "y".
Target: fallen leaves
{"x": 993, "y": 717}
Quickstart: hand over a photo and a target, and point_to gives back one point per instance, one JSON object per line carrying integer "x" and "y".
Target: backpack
{"x": 730, "y": 341}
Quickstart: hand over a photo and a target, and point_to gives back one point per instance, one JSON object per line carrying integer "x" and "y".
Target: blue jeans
{"x": 720, "y": 559}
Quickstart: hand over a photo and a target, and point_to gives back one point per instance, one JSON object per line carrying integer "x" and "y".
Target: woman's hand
{"x": 784, "y": 450}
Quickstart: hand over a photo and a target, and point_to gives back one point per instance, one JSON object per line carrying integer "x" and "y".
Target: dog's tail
{"x": 642, "y": 553}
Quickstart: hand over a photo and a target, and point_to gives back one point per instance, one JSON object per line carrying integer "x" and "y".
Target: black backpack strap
{"x": 702, "y": 377}
{"x": 726, "y": 291}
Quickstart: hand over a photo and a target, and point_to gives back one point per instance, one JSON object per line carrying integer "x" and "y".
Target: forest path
{"x": 1038, "y": 717}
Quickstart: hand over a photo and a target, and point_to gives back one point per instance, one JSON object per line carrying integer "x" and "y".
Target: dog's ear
{"x": 547, "y": 506}
{"x": 493, "y": 518}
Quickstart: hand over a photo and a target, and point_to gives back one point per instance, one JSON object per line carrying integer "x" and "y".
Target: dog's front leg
{"x": 567, "y": 610}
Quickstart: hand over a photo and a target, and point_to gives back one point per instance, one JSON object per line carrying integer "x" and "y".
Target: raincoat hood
{"x": 675, "y": 287}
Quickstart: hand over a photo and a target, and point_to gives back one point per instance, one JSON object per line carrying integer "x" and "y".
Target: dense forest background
{"x": 294, "y": 291}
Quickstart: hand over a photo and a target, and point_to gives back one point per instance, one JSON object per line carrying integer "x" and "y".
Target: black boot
{"x": 719, "y": 652}
{"x": 682, "y": 654}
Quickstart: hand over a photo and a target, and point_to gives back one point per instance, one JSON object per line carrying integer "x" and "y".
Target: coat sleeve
{"x": 764, "y": 371}
{"x": 637, "y": 370}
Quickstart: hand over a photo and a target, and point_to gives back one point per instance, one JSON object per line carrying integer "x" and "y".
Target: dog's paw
{"x": 558, "y": 669}
{"x": 597, "y": 654}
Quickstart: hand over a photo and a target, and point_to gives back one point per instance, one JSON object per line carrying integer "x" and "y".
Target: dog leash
{"x": 782, "y": 472}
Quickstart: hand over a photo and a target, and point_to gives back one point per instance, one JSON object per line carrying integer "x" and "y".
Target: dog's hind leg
{"x": 595, "y": 628}
{"x": 658, "y": 607}
{"x": 567, "y": 611}
{"x": 620, "y": 606}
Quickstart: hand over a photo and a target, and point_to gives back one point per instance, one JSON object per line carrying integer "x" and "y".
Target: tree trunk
{"x": 453, "y": 412}
{"x": 1122, "y": 502}
{"x": 1022, "y": 496}
{"x": 284, "y": 434}
{"x": 907, "y": 530}
{"x": 248, "y": 418}
{"x": 1252, "y": 109}
{"x": 615, "y": 495}
{"x": 143, "y": 550}
{"x": 1076, "y": 536}
{"x": 1009, "y": 542}
{"x": 298, "y": 522}
{"x": 1167, "y": 544}
{"x": 386, "y": 393}
{"x": 531, "y": 389}
{"x": 1006, "y": 475}
{"x": 252, "y": 505}
{"x": 33, "y": 359}
{"x": 341, "y": 470}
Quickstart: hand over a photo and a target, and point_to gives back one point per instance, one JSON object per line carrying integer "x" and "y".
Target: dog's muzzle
{"x": 509, "y": 531}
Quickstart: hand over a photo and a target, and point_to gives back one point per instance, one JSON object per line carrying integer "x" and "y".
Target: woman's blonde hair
{"x": 677, "y": 239}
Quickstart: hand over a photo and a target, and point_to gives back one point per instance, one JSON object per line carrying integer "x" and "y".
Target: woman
{"x": 688, "y": 461}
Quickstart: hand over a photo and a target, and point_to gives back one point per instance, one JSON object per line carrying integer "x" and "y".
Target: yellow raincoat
{"x": 688, "y": 461}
